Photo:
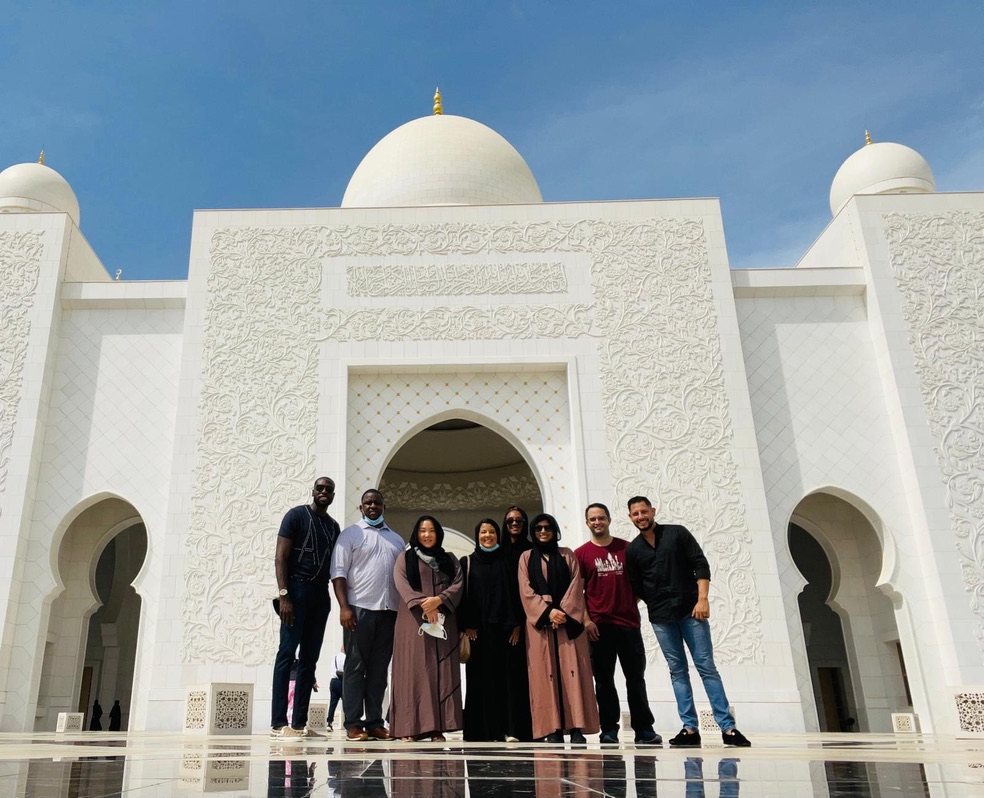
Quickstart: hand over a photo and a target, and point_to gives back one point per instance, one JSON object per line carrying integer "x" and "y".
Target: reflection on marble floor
{"x": 149, "y": 765}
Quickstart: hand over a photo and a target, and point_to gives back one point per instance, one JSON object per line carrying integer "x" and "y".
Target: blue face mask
{"x": 485, "y": 549}
{"x": 377, "y": 523}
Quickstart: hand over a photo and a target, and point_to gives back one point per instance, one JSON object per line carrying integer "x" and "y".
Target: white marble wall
{"x": 649, "y": 368}
{"x": 32, "y": 253}
{"x": 93, "y": 392}
{"x": 291, "y": 312}
{"x": 926, "y": 266}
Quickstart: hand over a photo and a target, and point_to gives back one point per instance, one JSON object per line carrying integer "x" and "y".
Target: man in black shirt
{"x": 304, "y": 548}
{"x": 668, "y": 570}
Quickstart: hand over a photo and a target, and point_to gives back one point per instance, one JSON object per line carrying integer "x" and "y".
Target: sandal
{"x": 438, "y": 738}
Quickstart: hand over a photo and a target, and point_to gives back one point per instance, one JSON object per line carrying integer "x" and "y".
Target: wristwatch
{"x": 283, "y": 592}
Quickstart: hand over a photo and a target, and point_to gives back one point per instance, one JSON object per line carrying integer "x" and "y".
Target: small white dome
{"x": 441, "y": 160}
{"x": 881, "y": 168}
{"x": 36, "y": 187}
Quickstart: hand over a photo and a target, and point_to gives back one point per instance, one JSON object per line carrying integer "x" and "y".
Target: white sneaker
{"x": 309, "y": 732}
{"x": 289, "y": 733}
{"x": 511, "y": 739}
{"x": 276, "y": 733}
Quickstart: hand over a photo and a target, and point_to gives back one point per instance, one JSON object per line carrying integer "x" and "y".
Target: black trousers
{"x": 625, "y": 644}
{"x": 368, "y": 651}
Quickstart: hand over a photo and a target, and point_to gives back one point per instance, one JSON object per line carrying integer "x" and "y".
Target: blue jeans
{"x": 697, "y": 635}
{"x": 311, "y": 606}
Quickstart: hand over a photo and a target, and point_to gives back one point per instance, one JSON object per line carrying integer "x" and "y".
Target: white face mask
{"x": 434, "y": 629}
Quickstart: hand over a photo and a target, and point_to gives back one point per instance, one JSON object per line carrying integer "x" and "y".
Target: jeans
{"x": 697, "y": 636}
{"x": 368, "y": 651}
{"x": 311, "y": 605}
{"x": 625, "y": 644}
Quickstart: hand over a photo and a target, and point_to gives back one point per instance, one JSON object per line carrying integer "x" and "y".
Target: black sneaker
{"x": 556, "y": 737}
{"x": 648, "y": 738}
{"x": 609, "y": 737}
{"x": 577, "y": 737}
{"x": 686, "y": 739}
{"x": 735, "y": 738}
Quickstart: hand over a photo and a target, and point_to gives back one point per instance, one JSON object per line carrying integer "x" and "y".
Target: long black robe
{"x": 489, "y": 606}
{"x": 520, "y": 721}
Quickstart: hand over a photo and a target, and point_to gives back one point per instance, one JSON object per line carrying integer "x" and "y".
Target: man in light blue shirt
{"x": 362, "y": 577}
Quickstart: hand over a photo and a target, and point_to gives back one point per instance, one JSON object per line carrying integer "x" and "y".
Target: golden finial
{"x": 41, "y": 157}
{"x": 867, "y": 138}
{"x": 438, "y": 107}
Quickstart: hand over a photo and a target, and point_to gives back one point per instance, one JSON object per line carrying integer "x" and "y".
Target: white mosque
{"x": 446, "y": 334}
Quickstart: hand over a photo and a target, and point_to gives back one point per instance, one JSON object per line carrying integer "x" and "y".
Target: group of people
{"x": 543, "y": 625}
{"x": 115, "y": 716}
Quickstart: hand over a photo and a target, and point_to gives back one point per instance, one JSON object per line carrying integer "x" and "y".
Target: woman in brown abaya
{"x": 426, "y": 700}
{"x": 562, "y": 695}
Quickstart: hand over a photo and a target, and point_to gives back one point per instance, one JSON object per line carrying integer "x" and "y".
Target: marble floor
{"x": 144, "y": 764}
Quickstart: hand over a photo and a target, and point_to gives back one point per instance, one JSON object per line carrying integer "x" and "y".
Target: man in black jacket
{"x": 668, "y": 570}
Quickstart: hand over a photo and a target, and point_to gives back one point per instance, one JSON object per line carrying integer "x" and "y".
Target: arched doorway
{"x": 823, "y": 634}
{"x": 91, "y": 642}
{"x": 459, "y": 471}
{"x": 849, "y": 624}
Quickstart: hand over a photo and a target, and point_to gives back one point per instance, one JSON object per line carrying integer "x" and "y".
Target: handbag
{"x": 464, "y": 648}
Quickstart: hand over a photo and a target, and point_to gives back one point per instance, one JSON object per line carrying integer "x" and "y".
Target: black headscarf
{"x": 489, "y": 580}
{"x": 522, "y": 543}
{"x": 443, "y": 560}
{"x": 500, "y": 552}
{"x": 558, "y": 578}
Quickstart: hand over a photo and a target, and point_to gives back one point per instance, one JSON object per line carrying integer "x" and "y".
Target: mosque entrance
{"x": 460, "y": 472}
{"x": 849, "y": 625}
{"x": 91, "y": 645}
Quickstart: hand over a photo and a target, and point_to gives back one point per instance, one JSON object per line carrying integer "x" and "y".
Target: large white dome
{"x": 36, "y": 187}
{"x": 441, "y": 160}
{"x": 881, "y": 168}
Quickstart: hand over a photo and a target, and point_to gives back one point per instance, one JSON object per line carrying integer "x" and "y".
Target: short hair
{"x": 639, "y": 500}
{"x": 600, "y": 506}
{"x": 327, "y": 479}
{"x": 377, "y": 491}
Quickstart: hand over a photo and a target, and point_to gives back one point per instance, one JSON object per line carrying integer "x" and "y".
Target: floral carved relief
{"x": 444, "y": 496}
{"x": 666, "y": 410}
{"x": 258, "y": 411}
{"x": 938, "y": 262}
{"x": 458, "y": 324}
{"x": 457, "y": 279}
{"x": 654, "y": 320}
{"x": 20, "y": 269}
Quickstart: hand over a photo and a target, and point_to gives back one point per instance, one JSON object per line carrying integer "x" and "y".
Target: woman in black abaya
{"x": 491, "y": 620}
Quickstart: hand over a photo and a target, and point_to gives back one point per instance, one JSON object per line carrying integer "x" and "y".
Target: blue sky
{"x": 154, "y": 110}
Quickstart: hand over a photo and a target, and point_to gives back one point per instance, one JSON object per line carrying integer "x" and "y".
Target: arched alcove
{"x": 849, "y": 623}
{"x": 823, "y": 634}
{"x": 458, "y": 471}
{"x": 90, "y": 643}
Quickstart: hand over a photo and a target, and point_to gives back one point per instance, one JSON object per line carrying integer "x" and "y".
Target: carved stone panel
{"x": 666, "y": 411}
{"x": 444, "y": 496}
{"x": 20, "y": 268}
{"x": 258, "y": 423}
{"x": 457, "y": 279}
{"x": 938, "y": 262}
